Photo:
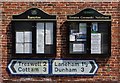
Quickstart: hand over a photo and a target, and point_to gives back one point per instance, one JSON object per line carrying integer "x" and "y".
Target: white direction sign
{"x": 74, "y": 67}
{"x": 27, "y": 67}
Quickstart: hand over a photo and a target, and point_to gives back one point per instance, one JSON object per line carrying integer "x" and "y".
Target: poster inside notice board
{"x": 78, "y": 47}
{"x": 40, "y": 38}
{"x": 95, "y": 43}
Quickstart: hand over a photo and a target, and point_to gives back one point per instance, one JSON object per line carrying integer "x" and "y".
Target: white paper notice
{"x": 72, "y": 37}
{"x": 19, "y": 48}
{"x": 28, "y": 48}
{"x": 95, "y": 43}
{"x": 19, "y": 37}
{"x": 82, "y": 28}
{"x": 49, "y": 33}
{"x": 28, "y": 36}
{"x": 78, "y": 47}
{"x": 94, "y": 27}
{"x": 40, "y": 38}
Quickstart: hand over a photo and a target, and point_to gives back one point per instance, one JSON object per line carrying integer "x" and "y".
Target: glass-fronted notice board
{"x": 89, "y": 33}
{"x": 33, "y": 34}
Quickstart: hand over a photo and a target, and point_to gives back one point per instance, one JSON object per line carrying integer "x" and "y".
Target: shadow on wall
{"x": 9, "y": 43}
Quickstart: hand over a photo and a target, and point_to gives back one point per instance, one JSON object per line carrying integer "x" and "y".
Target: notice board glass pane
{"x": 77, "y": 38}
{"x": 104, "y": 29}
{"x": 100, "y": 37}
{"x": 24, "y": 42}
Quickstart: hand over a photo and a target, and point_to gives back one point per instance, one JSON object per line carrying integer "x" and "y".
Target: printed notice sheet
{"x": 40, "y": 38}
{"x": 78, "y": 47}
{"x": 95, "y": 43}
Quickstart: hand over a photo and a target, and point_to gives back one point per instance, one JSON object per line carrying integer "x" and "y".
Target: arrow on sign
{"x": 93, "y": 67}
{"x": 12, "y": 66}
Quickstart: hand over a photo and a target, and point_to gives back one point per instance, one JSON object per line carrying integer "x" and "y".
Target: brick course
{"x": 108, "y": 67}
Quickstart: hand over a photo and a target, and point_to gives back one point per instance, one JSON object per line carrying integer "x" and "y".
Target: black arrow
{"x": 93, "y": 67}
{"x": 12, "y": 67}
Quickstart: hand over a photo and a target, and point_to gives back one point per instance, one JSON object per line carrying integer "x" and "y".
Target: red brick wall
{"x": 108, "y": 67}
{"x": 119, "y": 41}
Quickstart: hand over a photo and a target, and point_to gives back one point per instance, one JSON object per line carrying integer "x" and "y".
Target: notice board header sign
{"x": 34, "y": 14}
{"x": 88, "y": 14}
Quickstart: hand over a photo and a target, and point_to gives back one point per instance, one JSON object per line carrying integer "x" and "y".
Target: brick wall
{"x": 108, "y": 67}
{"x": 119, "y": 40}
{"x": 0, "y": 42}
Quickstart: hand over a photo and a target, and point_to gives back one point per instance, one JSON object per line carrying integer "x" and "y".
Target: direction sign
{"x": 27, "y": 67}
{"x": 74, "y": 67}
{"x": 52, "y": 67}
